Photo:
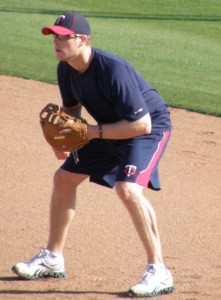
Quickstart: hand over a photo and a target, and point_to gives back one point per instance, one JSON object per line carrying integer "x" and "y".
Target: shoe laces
{"x": 147, "y": 276}
{"x": 38, "y": 258}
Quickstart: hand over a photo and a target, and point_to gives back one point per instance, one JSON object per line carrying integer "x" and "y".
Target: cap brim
{"x": 57, "y": 30}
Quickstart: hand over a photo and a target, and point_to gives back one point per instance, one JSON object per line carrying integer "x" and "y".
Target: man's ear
{"x": 83, "y": 39}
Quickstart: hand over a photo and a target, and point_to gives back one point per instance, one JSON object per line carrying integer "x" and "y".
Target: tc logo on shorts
{"x": 130, "y": 170}
{"x": 60, "y": 19}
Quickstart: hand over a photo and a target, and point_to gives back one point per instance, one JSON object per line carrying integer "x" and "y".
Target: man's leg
{"x": 157, "y": 279}
{"x": 50, "y": 262}
{"x": 143, "y": 217}
{"x": 62, "y": 207}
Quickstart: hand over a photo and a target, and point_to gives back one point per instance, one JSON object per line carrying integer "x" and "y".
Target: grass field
{"x": 175, "y": 45}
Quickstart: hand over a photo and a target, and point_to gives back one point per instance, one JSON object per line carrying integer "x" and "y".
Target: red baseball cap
{"x": 68, "y": 23}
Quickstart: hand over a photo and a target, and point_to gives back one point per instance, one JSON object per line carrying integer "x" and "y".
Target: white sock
{"x": 155, "y": 267}
{"x": 55, "y": 254}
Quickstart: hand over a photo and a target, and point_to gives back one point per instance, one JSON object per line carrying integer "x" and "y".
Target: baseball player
{"x": 123, "y": 152}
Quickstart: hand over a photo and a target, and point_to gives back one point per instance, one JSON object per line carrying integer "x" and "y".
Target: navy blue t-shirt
{"x": 111, "y": 90}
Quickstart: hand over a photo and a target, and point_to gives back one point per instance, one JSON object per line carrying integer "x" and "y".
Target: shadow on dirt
{"x": 51, "y": 292}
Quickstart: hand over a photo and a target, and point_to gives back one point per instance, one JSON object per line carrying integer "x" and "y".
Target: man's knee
{"x": 59, "y": 178}
{"x": 64, "y": 178}
{"x": 127, "y": 191}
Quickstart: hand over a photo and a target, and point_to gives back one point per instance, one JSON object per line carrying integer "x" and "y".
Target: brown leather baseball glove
{"x": 62, "y": 131}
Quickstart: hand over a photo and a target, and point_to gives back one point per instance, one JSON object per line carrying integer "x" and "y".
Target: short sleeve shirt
{"x": 111, "y": 89}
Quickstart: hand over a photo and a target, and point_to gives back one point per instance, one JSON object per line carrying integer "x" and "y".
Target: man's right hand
{"x": 61, "y": 155}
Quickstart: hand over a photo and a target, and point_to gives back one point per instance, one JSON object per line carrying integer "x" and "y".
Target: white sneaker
{"x": 45, "y": 264}
{"x": 153, "y": 283}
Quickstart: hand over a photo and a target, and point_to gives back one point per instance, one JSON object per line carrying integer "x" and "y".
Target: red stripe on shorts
{"x": 144, "y": 176}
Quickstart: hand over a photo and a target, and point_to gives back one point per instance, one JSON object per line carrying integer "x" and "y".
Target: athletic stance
{"x": 123, "y": 153}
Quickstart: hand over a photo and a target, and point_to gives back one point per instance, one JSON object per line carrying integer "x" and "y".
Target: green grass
{"x": 174, "y": 44}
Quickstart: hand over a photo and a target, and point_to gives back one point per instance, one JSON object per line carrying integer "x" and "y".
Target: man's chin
{"x": 60, "y": 56}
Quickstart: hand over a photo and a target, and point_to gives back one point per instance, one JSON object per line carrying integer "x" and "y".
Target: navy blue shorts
{"x": 133, "y": 160}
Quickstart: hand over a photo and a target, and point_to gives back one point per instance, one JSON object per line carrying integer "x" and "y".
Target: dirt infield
{"x": 103, "y": 254}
